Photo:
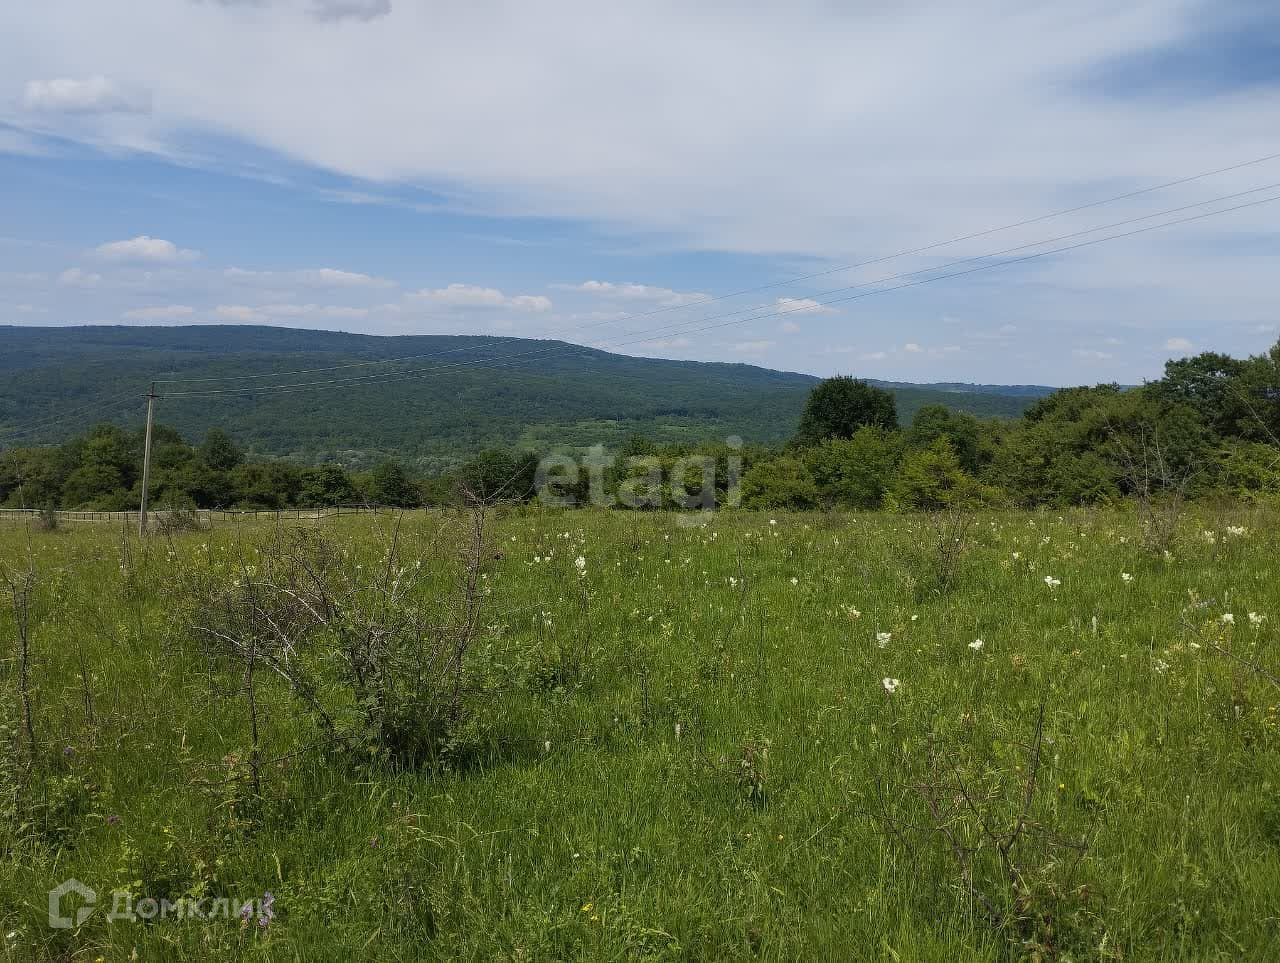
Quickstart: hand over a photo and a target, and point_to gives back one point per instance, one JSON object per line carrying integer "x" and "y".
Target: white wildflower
{"x": 580, "y": 563}
{"x": 1126, "y": 577}
{"x": 1227, "y": 618}
{"x": 977, "y": 645}
{"x": 890, "y": 685}
{"x": 882, "y": 638}
{"x": 1256, "y": 619}
{"x": 1052, "y": 582}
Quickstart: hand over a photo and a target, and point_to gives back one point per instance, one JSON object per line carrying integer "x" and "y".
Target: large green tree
{"x": 498, "y": 475}
{"x": 219, "y": 452}
{"x": 839, "y": 406}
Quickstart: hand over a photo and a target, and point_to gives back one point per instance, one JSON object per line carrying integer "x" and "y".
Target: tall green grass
{"x": 686, "y": 749}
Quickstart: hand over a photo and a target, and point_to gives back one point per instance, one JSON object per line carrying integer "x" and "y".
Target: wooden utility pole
{"x": 146, "y": 461}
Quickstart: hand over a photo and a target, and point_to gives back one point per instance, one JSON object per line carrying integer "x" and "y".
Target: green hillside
{"x": 458, "y": 393}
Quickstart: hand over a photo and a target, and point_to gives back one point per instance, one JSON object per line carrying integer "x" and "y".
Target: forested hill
{"x": 457, "y": 395}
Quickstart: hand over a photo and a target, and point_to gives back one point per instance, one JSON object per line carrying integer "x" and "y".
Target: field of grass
{"x": 682, "y": 738}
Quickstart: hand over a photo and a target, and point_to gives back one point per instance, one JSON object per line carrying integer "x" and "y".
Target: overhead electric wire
{"x": 665, "y": 331}
{"x": 802, "y": 309}
{"x": 981, "y": 267}
{"x": 752, "y": 290}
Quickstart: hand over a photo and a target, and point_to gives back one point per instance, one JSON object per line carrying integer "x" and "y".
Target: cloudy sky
{"x": 597, "y": 172}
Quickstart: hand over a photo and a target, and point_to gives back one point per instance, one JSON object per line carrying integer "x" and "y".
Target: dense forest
{"x": 428, "y": 401}
{"x": 1210, "y": 424}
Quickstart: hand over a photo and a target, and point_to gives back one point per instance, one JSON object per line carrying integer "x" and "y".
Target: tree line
{"x": 1210, "y": 424}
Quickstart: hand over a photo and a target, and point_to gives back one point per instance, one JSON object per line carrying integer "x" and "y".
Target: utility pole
{"x": 146, "y": 461}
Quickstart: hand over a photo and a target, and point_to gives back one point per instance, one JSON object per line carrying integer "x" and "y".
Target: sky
{"x": 813, "y": 186}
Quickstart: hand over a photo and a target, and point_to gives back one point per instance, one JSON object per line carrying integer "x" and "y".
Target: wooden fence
{"x": 205, "y": 516}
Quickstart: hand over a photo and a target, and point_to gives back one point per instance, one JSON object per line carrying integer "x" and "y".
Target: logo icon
{"x": 56, "y": 919}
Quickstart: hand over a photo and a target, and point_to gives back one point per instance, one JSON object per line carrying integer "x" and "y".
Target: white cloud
{"x": 240, "y": 313}
{"x": 167, "y": 312}
{"x": 275, "y": 313}
{"x": 753, "y": 347}
{"x": 510, "y": 136}
{"x": 789, "y": 327}
{"x": 636, "y": 160}
{"x": 145, "y": 248}
{"x": 668, "y": 344}
{"x": 1090, "y": 354}
{"x": 469, "y": 296}
{"x": 79, "y": 278}
{"x": 912, "y": 348}
{"x": 320, "y": 10}
{"x": 96, "y": 95}
{"x": 18, "y": 142}
{"x": 872, "y": 356}
{"x": 629, "y": 290}
{"x": 308, "y": 277}
{"x": 364, "y": 10}
{"x": 1178, "y": 344}
{"x": 801, "y": 306}
{"x": 332, "y": 312}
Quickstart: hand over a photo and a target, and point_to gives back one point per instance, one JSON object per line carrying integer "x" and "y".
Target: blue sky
{"x": 593, "y": 173}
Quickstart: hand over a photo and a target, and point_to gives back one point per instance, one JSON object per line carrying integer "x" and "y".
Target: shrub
{"x": 781, "y": 483}
{"x": 932, "y": 480}
{"x": 47, "y": 519}
{"x": 381, "y": 667}
{"x": 855, "y": 472}
{"x": 1249, "y": 469}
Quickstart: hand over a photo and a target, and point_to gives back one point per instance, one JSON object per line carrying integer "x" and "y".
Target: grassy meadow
{"x": 666, "y": 737}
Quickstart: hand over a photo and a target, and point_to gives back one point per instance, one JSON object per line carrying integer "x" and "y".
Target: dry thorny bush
{"x": 975, "y": 815}
{"x": 377, "y": 654}
{"x": 937, "y": 555}
{"x": 1159, "y": 488}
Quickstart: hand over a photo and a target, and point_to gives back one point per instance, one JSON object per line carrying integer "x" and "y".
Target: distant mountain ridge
{"x": 430, "y": 399}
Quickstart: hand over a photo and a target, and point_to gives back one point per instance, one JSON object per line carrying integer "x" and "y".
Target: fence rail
{"x": 204, "y": 515}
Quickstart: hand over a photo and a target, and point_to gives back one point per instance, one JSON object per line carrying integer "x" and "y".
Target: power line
{"x": 984, "y": 257}
{"x": 980, "y": 234}
{"x": 985, "y": 267}
{"x": 665, "y": 331}
{"x": 764, "y": 287}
